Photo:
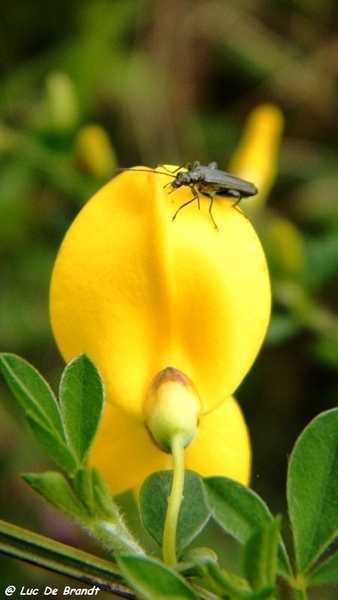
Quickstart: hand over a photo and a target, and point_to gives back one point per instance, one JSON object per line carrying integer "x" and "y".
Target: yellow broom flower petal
{"x": 139, "y": 292}
{"x": 222, "y": 444}
{"x": 256, "y": 156}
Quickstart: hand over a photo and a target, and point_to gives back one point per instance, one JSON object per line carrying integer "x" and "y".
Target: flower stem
{"x": 298, "y": 585}
{"x": 174, "y": 503}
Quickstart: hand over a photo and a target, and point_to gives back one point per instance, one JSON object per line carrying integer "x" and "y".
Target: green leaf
{"x": 230, "y": 586}
{"x": 260, "y": 555}
{"x": 55, "y": 448}
{"x": 222, "y": 582}
{"x": 40, "y": 406}
{"x": 312, "y": 489}
{"x": 326, "y": 572}
{"x": 112, "y": 532}
{"x": 83, "y": 486}
{"x": 103, "y": 500}
{"x": 81, "y": 401}
{"x": 239, "y": 511}
{"x": 32, "y": 391}
{"x": 154, "y": 504}
{"x": 197, "y": 556}
{"x": 154, "y": 581}
{"x": 54, "y": 488}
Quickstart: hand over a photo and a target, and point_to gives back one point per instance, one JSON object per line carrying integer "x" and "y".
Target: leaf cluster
{"x": 65, "y": 428}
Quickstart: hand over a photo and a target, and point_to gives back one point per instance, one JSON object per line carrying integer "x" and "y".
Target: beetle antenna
{"x": 168, "y": 173}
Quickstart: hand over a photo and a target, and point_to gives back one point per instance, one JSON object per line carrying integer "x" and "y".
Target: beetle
{"x": 209, "y": 181}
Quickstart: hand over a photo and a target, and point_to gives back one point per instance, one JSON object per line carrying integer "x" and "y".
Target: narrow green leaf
{"x": 32, "y": 391}
{"x": 239, "y": 511}
{"x": 197, "y": 556}
{"x": 81, "y": 401}
{"x": 154, "y": 504}
{"x": 113, "y": 534}
{"x": 83, "y": 486}
{"x": 312, "y": 489}
{"x": 326, "y": 572}
{"x": 40, "y": 406}
{"x": 54, "y": 488}
{"x": 230, "y": 586}
{"x": 154, "y": 581}
{"x": 104, "y": 502}
{"x": 56, "y": 448}
{"x": 260, "y": 555}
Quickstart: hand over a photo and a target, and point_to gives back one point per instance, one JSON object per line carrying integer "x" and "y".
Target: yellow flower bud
{"x": 255, "y": 158}
{"x": 171, "y": 408}
{"x": 94, "y": 151}
{"x": 60, "y": 108}
{"x": 285, "y": 247}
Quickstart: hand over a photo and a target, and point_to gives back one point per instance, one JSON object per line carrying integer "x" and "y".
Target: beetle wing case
{"x": 225, "y": 184}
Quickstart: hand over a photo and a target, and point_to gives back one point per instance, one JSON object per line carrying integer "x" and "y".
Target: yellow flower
{"x": 139, "y": 292}
{"x": 256, "y": 156}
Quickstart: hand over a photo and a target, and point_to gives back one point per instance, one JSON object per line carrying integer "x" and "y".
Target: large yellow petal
{"x": 222, "y": 444}
{"x": 139, "y": 292}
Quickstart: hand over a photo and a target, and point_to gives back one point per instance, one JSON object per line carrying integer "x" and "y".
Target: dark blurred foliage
{"x": 83, "y": 81}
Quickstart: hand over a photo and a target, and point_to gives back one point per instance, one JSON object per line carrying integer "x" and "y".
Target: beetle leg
{"x": 236, "y": 194}
{"x": 210, "y": 211}
{"x": 195, "y": 197}
{"x": 237, "y": 201}
{"x": 182, "y": 206}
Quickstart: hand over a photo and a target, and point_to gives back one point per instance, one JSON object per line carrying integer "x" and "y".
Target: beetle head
{"x": 182, "y": 178}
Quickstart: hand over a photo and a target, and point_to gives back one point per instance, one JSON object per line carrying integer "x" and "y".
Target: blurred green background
{"x": 88, "y": 85}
